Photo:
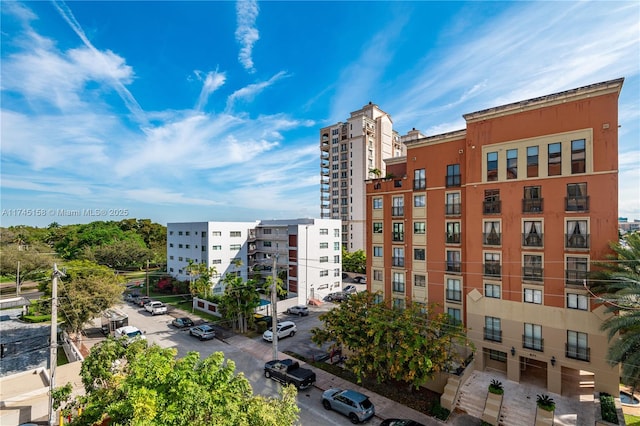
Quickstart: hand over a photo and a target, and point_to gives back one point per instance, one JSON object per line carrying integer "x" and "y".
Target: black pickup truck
{"x": 288, "y": 371}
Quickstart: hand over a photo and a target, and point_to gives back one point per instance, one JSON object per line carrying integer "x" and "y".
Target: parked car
{"x": 345, "y": 275}
{"x": 182, "y": 322}
{"x": 300, "y": 310}
{"x": 350, "y": 289}
{"x": 284, "y": 329}
{"x": 129, "y": 334}
{"x": 352, "y": 404}
{"x": 133, "y": 298}
{"x": 262, "y": 318}
{"x": 143, "y": 300}
{"x": 203, "y": 332}
{"x": 289, "y": 372}
{"x": 360, "y": 280}
{"x": 156, "y": 308}
{"x": 400, "y": 422}
{"x": 338, "y": 296}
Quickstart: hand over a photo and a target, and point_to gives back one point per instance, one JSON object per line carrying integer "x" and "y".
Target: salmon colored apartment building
{"x": 499, "y": 223}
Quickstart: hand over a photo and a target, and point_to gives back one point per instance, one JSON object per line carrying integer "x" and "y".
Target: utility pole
{"x": 147, "y": 278}
{"x": 274, "y": 302}
{"x": 53, "y": 354}
{"x": 18, "y": 280}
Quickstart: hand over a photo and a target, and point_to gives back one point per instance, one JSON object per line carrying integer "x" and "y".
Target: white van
{"x": 130, "y": 333}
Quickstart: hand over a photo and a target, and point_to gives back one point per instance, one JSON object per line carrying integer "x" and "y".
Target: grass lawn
{"x": 631, "y": 420}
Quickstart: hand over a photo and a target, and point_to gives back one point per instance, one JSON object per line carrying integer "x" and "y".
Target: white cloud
{"x": 162, "y": 196}
{"x": 246, "y": 32}
{"x": 249, "y": 92}
{"x": 212, "y": 82}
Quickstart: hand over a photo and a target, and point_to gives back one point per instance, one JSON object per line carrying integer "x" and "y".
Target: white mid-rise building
{"x": 307, "y": 253}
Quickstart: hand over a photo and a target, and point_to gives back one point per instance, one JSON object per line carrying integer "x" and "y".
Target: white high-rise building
{"x": 307, "y": 252}
{"x": 351, "y": 153}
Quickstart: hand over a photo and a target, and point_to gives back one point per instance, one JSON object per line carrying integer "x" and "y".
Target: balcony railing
{"x": 532, "y": 273}
{"x": 454, "y": 295}
{"x": 397, "y": 261}
{"x": 535, "y": 343}
{"x": 453, "y": 180}
{"x": 492, "y": 239}
{"x": 398, "y": 286}
{"x": 577, "y": 204}
{"x": 492, "y": 270}
{"x": 454, "y": 266}
{"x": 397, "y": 236}
{"x": 397, "y": 211}
{"x": 492, "y": 334}
{"x": 419, "y": 184}
{"x": 491, "y": 207}
{"x": 452, "y": 209}
{"x": 532, "y": 205}
{"x": 577, "y": 352}
{"x": 452, "y": 238}
{"x": 575, "y": 277}
{"x": 577, "y": 241}
{"x": 532, "y": 240}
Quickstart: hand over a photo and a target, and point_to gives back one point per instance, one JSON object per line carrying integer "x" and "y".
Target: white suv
{"x": 298, "y": 310}
{"x": 284, "y": 329}
{"x": 129, "y": 334}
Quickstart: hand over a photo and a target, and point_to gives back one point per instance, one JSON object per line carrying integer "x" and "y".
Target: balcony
{"x": 454, "y": 266}
{"x": 452, "y": 209}
{"x": 452, "y": 238}
{"x": 492, "y": 270}
{"x": 419, "y": 184}
{"x": 453, "y": 180}
{"x": 492, "y": 239}
{"x": 492, "y": 334}
{"x": 575, "y": 277}
{"x": 454, "y": 295}
{"x": 532, "y": 273}
{"x": 532, "y": 240}
{"x": 532, "y": 205}
{"x": 397, "y": 211}
{"x": 535, "y": 343}
{"x": 576, "y": 241}
{"x": 577, "y": 352}
{"x": 397, "y": 261}
{"x": 397, "y": 236}
{"x": 491, "y": 207}
{"x": 398, "y": 286}
{"x": 577, "y": 204}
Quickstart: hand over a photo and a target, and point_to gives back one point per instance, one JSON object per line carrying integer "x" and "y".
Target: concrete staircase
{"x": 472, "y": 395}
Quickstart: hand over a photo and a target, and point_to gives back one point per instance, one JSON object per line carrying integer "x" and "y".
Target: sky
{"x": 211, "y": 110}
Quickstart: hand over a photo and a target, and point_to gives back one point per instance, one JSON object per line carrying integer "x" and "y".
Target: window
{"x": 532, "y": 201}
{"x": 170, "y": 257}
{"x": 324, "y": 245}
{"x": 170, "y": 244}
{"x": 170, "y": 232}
{"x": 532, "y": 295}
{"x": 577, "y": 345}
{"x": 324, "y": 273}
{"x": 492, "y": 265}
{"x": 336, "y": 233}
{"x": 454, "y": 315}
{"x": 216, "y": 233}
{"x": 377, "y": 251}
{"x": 377, "y": 203}
{"x": 397, "y": 208}
{"x": 419, "y": 200}
{"x": 454, "y": 291}
{"x": 576, "y": 270}
{"x": 398, "y": 303}
{"x": 266, "y": 231}
{"x": 577, "y": 236}
{"x": 179, "y": 232}
{"x": 453, "y": 232}
{"x": 491, "y": 235}
{"x": 532, "y": 267}
{"x": 336, "y": 245}
{"x": 419, "y": 179}
{"x": 180, "y": 259}
{"x": 187, "y": 246}
{"x": 235, "y": 234}
{"x": 324, "y": 231}
{"x": 452, "y": 203}
{"x": 336, "y": 272}
{"x": 532, "y": 161}
{"x": 577, "y": 301}
{"x": 377, "y": 227}
{"x": 398, "y": 282}
{"x": 419, "y": 254}
{"x": 398, "y": 256}
{"x": 453, "y": 261}
{"x": 577, "y": 199}
{"x": 453, "y": 175}
{"x": 492, "y": 329}
{"x": 216, "y": 261}
{"x": 555, "y": 159}
{"x": 377, "y": 274}
{"x": 216, "y": 248}
{"x": 398, "y": 231}
{"x": 492, "y": 290}
{"x": 235, "y": 246}
{"x": 180, "y": 245}
{"x": 419, "y": 227}
{"x": 336, "y": 258}
{"x": 497, "y": 355}
{"x": 512, "y": 164}
{"x": 419, "y": 281}
{"x": 324, "y": 259}
{"x": 532, "y": 338}
{"x": 492, "y": 166}
{"x": 532, "y": 236}
{"x": 491, "y": 204}
{"x": 266, "y": 244}
{"x": 577, "y": 156}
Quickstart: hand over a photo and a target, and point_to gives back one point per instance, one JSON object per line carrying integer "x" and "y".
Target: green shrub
{"x": 608, "y": 408}
{"x": 496, "y": 387}
{"x": 439, "y": 412}
{"x": 546, "y": 402}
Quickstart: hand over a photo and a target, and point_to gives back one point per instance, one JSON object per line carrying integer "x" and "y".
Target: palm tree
{"x": 617, "y": 283}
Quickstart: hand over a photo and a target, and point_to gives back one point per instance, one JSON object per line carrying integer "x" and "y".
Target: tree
{"x": 200, "y": 278}
{"x": 121, "y": 254}
{"x": 146, "y": 385}
{"x": 409, "y": 345}
{"x": 239, "y": 301}
{"x": 354, "y": 262}
{"x": 35, "y": 262}
{"x": 617, "y": 283}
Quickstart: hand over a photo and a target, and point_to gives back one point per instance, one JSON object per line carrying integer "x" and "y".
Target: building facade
{"x": 499, "y": 224}
{"x": 350, "y": 153}
{"x": 306, "y": 252}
